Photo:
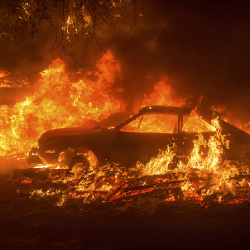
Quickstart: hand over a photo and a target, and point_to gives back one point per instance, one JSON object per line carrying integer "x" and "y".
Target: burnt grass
{"x": 37, "y": 223}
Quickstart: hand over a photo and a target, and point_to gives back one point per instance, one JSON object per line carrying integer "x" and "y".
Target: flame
{"x": 79, "y": 20}
{"x": 158, "y": 123}
{"x": 205, "y": 175}
{"x": 158, "y": 165}
{"x": 153, "y": 123}
{"x": 230, "y": 117}
{"x": 7, "y": 83}
{"x": 164, "y": 95}
{"x": 3, "y": 74}
{"x": 195, "y": 123}
{"x": 58, "y": 102}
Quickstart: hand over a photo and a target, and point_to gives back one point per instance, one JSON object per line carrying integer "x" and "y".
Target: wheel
{"x": 79, "y": 165}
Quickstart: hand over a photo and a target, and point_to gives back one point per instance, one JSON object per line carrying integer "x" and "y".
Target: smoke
{"x": 203, "y": 48}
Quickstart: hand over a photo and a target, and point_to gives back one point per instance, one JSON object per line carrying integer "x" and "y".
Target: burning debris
{"x": 204, "y": 175}
{"x": 94, "y": 184}
{"x": 7, "y": 83}
{"x": 59, "y": 101}
{"x": 200, "y": 157}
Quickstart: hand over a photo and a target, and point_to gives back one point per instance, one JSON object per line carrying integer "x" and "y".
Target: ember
{"x": 199, "y": 173}
{"x": 104, "y": 142}
{"x": 203, "y": 175}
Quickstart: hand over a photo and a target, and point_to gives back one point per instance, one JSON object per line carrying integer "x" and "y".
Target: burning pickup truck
{"x": 139, "y": 138}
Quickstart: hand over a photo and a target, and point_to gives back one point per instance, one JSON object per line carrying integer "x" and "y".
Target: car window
{"x": 153, "y": 123}
{"x": 195, "y": 124}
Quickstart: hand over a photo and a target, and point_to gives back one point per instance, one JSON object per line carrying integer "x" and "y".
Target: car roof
{"x": 165, "y": 109}
{"x": 206, "y": 114}
{"x": 158, "y": 109}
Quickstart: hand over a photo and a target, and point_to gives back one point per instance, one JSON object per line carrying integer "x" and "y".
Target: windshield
{"x": 153, "y": 123}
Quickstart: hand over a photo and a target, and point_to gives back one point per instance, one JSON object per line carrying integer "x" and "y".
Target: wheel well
{"x": 66, "y": 155}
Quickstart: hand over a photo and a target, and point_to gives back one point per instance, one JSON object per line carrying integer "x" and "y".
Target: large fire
{"x": 61, "y": 101}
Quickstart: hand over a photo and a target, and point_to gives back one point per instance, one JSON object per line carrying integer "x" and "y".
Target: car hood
{"x": 62, "y": 132}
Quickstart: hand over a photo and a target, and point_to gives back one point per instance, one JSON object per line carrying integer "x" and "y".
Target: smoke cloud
{"x": 203, "y": 48}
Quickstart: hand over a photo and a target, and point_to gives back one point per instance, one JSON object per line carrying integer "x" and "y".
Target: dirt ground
{"x": 37, "y": 223}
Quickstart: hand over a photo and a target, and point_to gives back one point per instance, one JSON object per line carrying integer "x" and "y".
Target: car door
{"x": 143, "y": 137}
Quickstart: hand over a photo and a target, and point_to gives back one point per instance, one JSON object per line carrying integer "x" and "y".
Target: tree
{"x": 66, "y": 22}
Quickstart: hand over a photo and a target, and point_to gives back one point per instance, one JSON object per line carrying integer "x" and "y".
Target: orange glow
{"x": 4, "y": 74}
{"x": 231, "y": 118}
{"x": 153, "y": 123}
{"x": 158, "y": 123}
{"x": 164, "y": 95}
{"x": 205, "y": 173}
{"x": 59, "y": 101}
{"x": 194, "y": 123}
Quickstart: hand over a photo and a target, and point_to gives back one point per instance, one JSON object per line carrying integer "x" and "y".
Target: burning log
{"x": 121, "y": 189}
{"x": 172, "y": 175}
{"x": 31, "y": 179}
{"x": 160, "y": 190}
{"x": 49, "y": 180}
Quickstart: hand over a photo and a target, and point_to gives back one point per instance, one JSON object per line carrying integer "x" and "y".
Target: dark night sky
{"x": 203, "y": 47}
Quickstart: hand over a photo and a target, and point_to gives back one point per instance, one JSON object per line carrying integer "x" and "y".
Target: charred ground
{"x": 37, "y": 223}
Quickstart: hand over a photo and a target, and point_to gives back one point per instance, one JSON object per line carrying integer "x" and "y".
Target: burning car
{"x": 139, "y": 138}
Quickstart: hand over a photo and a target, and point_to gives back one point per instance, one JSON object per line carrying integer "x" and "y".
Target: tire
{"x": 81, "y": 163}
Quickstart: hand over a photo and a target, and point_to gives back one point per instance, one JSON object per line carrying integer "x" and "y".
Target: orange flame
{"x": 59, "y": 102}
{"x": 164, "y": 95}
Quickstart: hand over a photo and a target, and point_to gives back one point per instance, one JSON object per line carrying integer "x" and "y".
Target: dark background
{"x": 203, "y": 48}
